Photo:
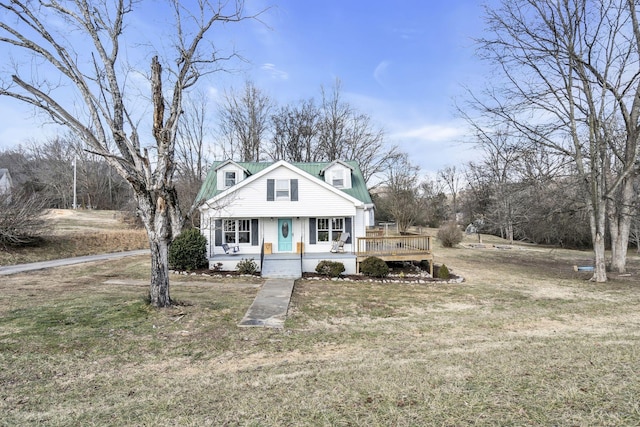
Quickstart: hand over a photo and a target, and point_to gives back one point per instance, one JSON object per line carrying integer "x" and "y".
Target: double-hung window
{"x": 282, "y": 189}
{"x": 329, "y": 229}
{"x": 236, "y": 231}
{"x": 229, "y": 179}
{"x": 337, "y": 178}
{"x": 324, "y": 229}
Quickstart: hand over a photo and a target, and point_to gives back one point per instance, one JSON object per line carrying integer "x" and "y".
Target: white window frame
{"x": 227, "y": 178}
{"x": 337, "y": 178}
{"x": 282, "y": 189}
{"x": 236, "y": 231}
{"x": 323, "y": 229}
{"x": 329, "y": 229}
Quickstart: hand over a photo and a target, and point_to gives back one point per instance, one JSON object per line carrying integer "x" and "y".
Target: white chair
{"x": 338, "y": 245}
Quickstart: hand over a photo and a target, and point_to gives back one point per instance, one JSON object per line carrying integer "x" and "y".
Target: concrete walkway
{"x": 269, "y": 309}
{"x": 21, "y": 268}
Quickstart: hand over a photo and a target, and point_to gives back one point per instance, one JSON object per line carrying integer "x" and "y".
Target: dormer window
{"x": 337, "y": 178}
{"x": 338, "y": 174}
{"x": 229, "y": 179}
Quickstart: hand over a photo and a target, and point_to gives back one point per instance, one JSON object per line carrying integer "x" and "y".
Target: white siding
{"x": 250, "y": 200}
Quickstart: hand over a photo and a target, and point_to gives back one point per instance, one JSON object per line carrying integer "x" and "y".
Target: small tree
{"x": 188, "y": 251}
{"x": 443, "y": 272}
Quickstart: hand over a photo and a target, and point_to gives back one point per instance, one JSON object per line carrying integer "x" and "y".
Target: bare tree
{"x": 52, "y": 170}
{"x": 345, "y": 133}
{"x": 192, "y": 153}
{"x": 90, "y": 68}
{"x": 191, "y": 149}
{"x": 452, "y": 179}
{"x": 244, "y": 123}
{"x": 295, "y": 133}
{"x": 399, "y": 195}
{"x": 570, "y": 70}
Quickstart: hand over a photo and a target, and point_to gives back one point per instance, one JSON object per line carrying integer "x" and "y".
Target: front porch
{"x": 285, "y": 264}
{"x": 388, "y": 248}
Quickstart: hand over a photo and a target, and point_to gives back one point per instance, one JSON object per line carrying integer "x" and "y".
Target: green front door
{"x": 285, "y": 231}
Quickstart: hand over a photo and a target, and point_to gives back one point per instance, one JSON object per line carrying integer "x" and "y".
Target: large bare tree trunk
{"x": 620, "y": 217}
{"x": 161, "y": 218}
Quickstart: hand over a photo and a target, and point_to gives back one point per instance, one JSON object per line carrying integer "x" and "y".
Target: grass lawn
{"x": 523, "y": 341}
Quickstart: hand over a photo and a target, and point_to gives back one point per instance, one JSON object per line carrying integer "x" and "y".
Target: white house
{"x": 285, "y": 216}
{"x": 5, "y": 183}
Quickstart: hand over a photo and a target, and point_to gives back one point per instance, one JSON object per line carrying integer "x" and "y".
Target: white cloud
{"x": 432, "y": 133}
{"x": 274, "y": 71}
{"x": 380, "y": 71}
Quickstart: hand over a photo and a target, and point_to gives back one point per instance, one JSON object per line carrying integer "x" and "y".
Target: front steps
{"x": 281, "y": 267}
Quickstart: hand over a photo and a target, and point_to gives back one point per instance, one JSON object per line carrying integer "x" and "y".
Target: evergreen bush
{"x": 330, "y": 268}
{"x": 188, "y": 251}
{"x": 375, "y": 267}
{"x": 443, "y": 272}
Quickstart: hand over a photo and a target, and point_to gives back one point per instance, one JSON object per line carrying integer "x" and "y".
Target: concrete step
{"x": 281, "y": 268}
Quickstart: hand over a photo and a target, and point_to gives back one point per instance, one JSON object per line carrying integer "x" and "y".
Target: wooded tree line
{"x": 245, "y": 126}
{"x": 46, "y": 169}
{"x": 253, "y": 127}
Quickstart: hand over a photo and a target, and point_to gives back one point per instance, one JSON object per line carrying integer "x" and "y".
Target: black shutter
{"x": 271, "y": 190}
{"x": 312, "y": 231}
{"x": 294, "y": 190}
{"x": 347, "y": 228}
{"x": 254, "y": 232}
{"x": 218, "y": 232}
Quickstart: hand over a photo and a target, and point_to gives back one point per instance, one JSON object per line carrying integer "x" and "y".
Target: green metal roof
{"x": 358, "y": 188}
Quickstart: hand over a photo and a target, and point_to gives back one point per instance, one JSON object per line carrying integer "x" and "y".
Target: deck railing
{"x": 393, "y": 245}
{"x": 375, "y": 232}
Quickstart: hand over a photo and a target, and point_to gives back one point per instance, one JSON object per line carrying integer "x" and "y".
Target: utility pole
{"x": 75, "y": 200}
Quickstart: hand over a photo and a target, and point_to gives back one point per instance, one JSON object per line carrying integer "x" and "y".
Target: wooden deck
{"x": 396, "y": 248}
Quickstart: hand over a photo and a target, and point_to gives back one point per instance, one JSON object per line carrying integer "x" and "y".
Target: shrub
{"x": 374, "y": 266}
{"x": 188, "y": 251}
{"x": 247, "y": 266}
{"x": 449, "y": 234}
{"x": 330, "y": 268}
{"x": 21, "y": 221}
{"x": 443, "y": 272}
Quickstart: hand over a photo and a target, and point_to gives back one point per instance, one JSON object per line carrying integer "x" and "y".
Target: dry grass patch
{"x": 78, "y": 233}
{"x": 522, "y": 342}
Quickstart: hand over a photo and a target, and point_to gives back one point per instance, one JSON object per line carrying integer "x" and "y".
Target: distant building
{"x": 5, "y": 183}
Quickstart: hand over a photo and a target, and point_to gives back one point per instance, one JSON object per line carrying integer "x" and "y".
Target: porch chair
{"x": 338, "y": 245}
{"x": 230, "y": 250}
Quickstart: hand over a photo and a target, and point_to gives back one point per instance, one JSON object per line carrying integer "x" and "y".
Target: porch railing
{"x": 393, "y": 245}
{"x": 375, "y": 232}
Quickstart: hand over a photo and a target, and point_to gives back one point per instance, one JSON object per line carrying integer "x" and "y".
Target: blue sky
{"x": 401, "y": 62}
